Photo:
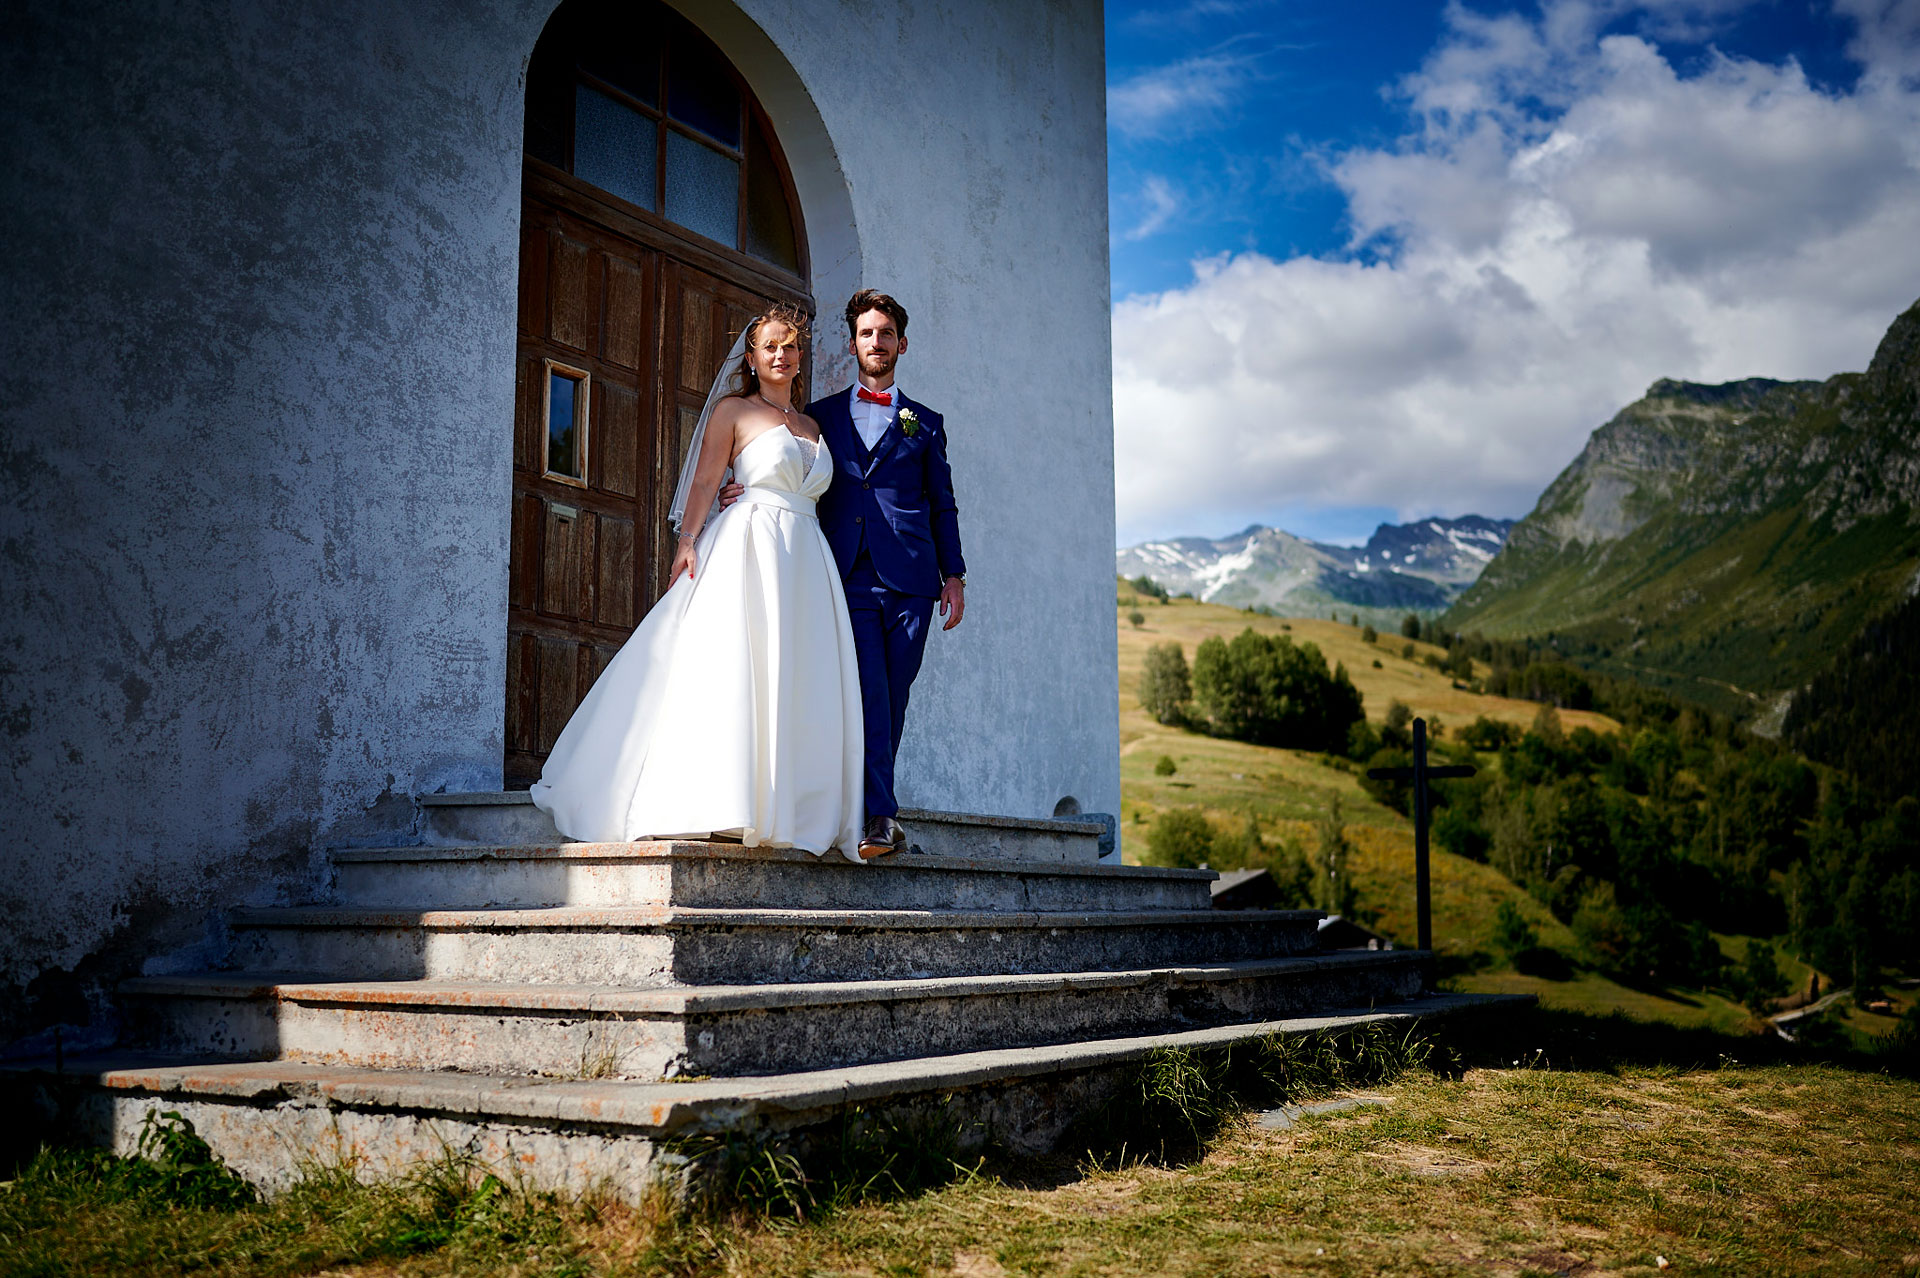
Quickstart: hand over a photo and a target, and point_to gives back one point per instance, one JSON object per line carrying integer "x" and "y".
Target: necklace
{"x": 784, "y": 412}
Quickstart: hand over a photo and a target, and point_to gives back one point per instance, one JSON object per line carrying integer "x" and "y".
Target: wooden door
{"x": 619, "y": 341}
{"x": 703, "y": 316}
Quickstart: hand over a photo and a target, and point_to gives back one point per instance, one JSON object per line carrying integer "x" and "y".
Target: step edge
{"x": 1041, "y": 825}
{"x": 617, "y": 853}
{"x": 666, "y": 1109}
{"x": 550, "y": 918}
{"x": 480, "y": 997}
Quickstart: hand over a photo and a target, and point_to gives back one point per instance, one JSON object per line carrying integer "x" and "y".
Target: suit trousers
{"x": 889, "y": 638}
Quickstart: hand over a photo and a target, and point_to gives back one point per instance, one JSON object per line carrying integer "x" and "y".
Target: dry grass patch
{"x": 1494, "y": 1171}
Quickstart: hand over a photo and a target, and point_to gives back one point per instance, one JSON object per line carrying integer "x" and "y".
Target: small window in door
{"x": 569, "y": 393}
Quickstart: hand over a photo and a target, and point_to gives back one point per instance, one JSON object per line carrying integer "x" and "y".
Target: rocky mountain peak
{"x": 1895, "y": 370}
{"x": 1747, "y": 393}
{"x": 1417, "y": 567}
{"x": 1724, "y": 536}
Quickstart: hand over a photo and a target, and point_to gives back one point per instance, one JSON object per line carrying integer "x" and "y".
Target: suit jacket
{"x": 896, "y": 501}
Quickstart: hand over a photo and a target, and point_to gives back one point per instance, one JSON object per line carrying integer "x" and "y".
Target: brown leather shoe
{"x": 882, "y": 837}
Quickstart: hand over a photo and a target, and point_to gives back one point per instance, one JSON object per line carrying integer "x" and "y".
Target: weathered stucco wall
{"x": 259, "y": 282}
{"x": 254, "y": 422}
{"x": 972, "y": 137}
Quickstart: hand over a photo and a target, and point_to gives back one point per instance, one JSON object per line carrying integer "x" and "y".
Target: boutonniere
{"x": 909, "y": 422}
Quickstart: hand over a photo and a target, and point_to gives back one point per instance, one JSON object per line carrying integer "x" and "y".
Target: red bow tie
{"x": 884, "y": 397}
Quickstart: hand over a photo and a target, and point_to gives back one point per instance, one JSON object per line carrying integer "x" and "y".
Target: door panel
{"x": 589, "y": 558}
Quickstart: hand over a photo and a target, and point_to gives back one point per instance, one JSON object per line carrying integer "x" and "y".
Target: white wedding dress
{"x": 734, "y": 708}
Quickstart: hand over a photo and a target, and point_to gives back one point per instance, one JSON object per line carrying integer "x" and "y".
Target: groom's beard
{"x": 879, "y": 364}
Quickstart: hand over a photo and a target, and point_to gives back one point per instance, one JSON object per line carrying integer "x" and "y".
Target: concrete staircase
{"x": 572, "y": 1009}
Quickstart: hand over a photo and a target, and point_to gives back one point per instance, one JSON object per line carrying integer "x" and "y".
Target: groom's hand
{"x": 953, "y": 601}
{"x": 730, "y": 494}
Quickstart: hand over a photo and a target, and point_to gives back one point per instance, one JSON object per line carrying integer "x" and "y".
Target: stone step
{"x": 271, "y": 1119}
{"x": 505, "y": 817}
{"x": 593, "y": 1031}
{"x": 723, "y": 875}
{"x": 653, "y": 945}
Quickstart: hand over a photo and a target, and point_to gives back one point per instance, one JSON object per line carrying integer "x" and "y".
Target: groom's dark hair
{"x": 872, "y": 299}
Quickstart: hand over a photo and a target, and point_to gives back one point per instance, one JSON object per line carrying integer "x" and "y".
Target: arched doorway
{"x": 657, "y": 217}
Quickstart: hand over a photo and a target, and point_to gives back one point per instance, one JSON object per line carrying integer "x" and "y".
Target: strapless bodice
{"x": 775, "y": 459}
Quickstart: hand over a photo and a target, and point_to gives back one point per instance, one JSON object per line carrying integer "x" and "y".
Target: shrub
{"x": 1397, "y": 795}
{"x": 1181, "y": 838}
{"x": 1489, "y": 734}
{"x": 1164, "y": 766}
{"x": 1165, "y": 686}
{"x": 1138, "y": 618}
{"x": 1512, "y": 934}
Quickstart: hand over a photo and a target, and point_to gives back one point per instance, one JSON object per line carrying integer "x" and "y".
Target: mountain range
{"x": 1419, "y": 567}
{"x": 1724, "y": 541}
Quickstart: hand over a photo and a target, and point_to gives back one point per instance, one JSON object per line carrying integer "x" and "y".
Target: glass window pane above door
{"x": 628, "y": 58}
{"x": 769, "y": 225}
{"x": 701, "y": 92}
{"x": 614, "y": 146}
{"x": 703, "y": 189}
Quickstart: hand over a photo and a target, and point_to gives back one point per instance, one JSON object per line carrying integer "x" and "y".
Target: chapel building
{"x": 354, "y": 351}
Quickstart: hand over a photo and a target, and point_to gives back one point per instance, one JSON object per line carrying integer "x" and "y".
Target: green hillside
{"x": 1286, "y": 792}
{"x": 1723, "y": 541}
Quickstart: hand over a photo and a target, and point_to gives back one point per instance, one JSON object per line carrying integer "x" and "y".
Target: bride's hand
{"x": 684, "y": 559}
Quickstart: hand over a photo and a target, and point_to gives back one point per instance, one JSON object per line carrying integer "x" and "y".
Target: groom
{"x": 895, "y": 531}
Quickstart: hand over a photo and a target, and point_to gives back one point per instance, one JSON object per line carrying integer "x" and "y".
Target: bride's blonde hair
{"x": 747, "y": 382}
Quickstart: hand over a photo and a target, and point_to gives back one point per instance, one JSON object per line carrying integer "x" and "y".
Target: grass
{"x": 1546, "y": 1143}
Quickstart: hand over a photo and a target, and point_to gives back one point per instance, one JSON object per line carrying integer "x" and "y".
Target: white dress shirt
{"x": 870, "y": 421}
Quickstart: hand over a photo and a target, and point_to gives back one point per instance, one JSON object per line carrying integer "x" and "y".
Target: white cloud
{"x": 1161, "y": 204}
{"x": 1573, "y": 220}
{"x": 1181, "y": 97}
{"x": 1888, "y": 39}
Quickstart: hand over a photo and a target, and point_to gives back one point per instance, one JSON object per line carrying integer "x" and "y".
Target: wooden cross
{"x": 1420, "y": 774}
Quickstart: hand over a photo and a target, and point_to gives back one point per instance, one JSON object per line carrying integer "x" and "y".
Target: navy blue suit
{"x": 895, "y": 531}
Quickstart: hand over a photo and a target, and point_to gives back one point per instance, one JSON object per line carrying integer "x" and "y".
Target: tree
{"x": 1333, "y": 888}
{"x": 1165, "y": 686}
{"x": 1293, "y": 875}
{"x": 1546, "y": 725}
{"x": 1759, "y": 981}
{"x": 1271, "y": 691}
{"x": 1368, "y": 634}
{"x": 1138, "y": 618}
{"x": 1396, "y": 730}
{"x": 1149, "y": 587}
{"x": 1239, "y": 849}
{"x": 1410, "y": 626}
{"x": 1164, "y": 766}
{"x": 1182, "y": 838}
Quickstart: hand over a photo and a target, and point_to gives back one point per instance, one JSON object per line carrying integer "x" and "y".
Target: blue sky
{"x": 1380, "y": 260}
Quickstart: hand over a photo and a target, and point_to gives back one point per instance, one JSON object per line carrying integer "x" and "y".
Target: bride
{"x": 734, "y": 708}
